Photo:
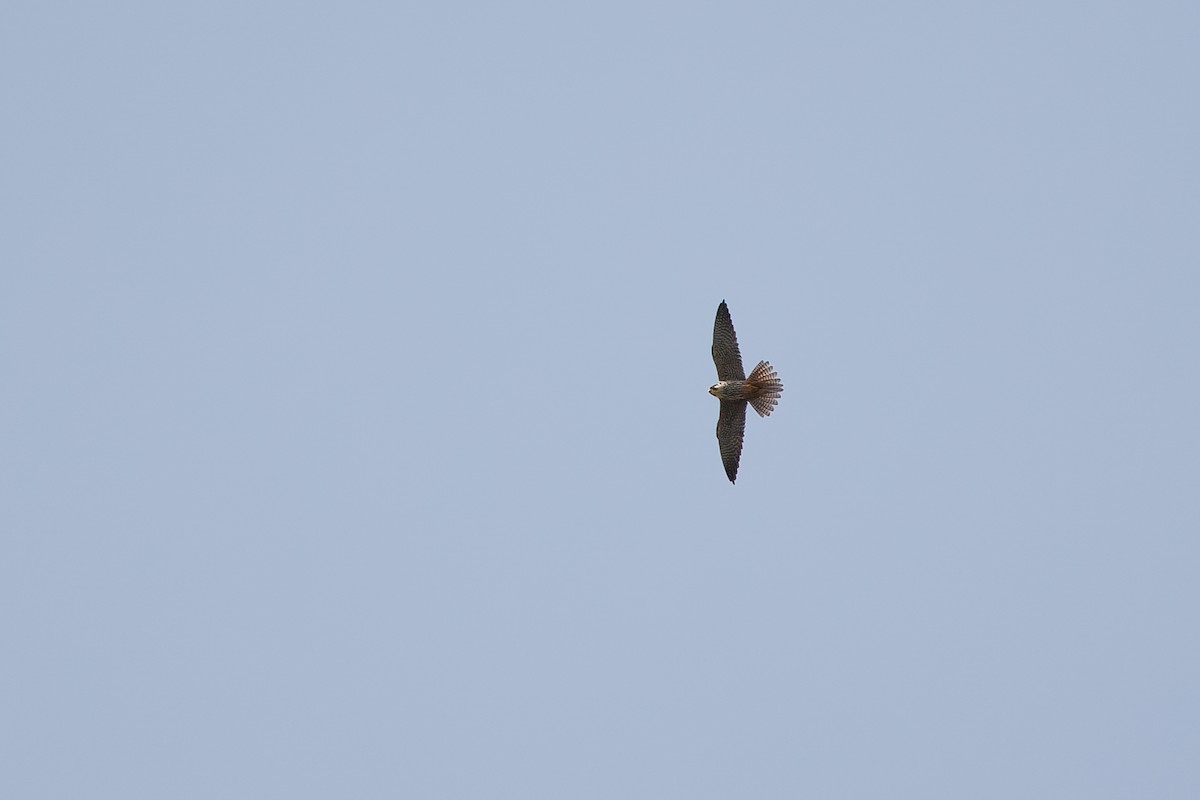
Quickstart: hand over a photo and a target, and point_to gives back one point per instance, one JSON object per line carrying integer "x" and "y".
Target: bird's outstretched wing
{"x": 726, "y": 355}
{"x": 731, "y": 428}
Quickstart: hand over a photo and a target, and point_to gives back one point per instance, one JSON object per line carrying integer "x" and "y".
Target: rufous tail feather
{"x": 769, "y": 384}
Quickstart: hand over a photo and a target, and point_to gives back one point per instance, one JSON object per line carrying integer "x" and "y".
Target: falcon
{"x": 761, "y": 390}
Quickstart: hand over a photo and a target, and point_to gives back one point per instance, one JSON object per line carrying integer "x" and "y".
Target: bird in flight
{"x": 734, "y": 390}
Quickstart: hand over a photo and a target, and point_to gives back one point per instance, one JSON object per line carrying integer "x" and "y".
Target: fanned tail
{"x": 770, "y": 387}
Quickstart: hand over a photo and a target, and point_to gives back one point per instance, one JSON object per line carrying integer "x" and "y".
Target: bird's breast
{"x": 734, "y": 390}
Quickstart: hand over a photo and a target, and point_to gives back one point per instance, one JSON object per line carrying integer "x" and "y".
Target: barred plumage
{"x": 761, "y": 390}
{"x": 769, "y": 388}
{"x": 731, "y": 429}
{"x": 725, "y": 351}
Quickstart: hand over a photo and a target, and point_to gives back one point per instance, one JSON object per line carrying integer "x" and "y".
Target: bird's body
{"x": 761, "y": 390}
{"x": 733, "y": 390}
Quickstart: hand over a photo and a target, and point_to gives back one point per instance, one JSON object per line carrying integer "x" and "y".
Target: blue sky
{"x": 356, "y": 435}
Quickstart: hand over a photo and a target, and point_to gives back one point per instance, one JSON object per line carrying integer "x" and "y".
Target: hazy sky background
{"x": 356, "y": 440}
